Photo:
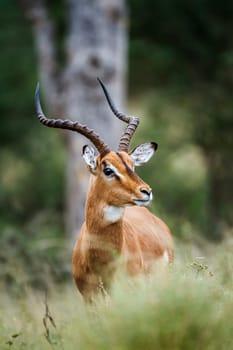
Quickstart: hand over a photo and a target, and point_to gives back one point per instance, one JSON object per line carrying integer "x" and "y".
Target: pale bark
{"x": 43, "y": 28}
{"x": 96, "y": 46}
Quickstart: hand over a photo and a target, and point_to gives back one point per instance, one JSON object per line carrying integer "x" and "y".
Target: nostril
{"x": 143, "y": 190}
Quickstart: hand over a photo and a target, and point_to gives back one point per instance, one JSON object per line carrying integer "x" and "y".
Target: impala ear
{"x": 143, "y": 153}
{"x": 90, "y": 158}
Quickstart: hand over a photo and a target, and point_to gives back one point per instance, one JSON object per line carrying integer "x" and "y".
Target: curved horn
{"x": 70, "y": 125}
{"x": 133, "y": 122}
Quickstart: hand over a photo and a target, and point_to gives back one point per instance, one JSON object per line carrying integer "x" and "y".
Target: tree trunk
{"x": 96, "y": 46}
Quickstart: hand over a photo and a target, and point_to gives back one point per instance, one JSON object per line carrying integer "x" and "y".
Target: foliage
{"x": 32, "y": 260}
{"x": 186, "y": 48}
{"x": 193, "y": 39}
{"x": 177, "y": 172}
{"x": 190, "y": 307}
{"x": 17, "y": 78}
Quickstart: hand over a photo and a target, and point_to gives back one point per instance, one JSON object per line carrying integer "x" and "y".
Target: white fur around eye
{"x": 143, "y": 153}
{"x": 115, "y": 171}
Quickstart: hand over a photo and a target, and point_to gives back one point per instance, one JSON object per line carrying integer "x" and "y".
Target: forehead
{"x": 117, "y": 159}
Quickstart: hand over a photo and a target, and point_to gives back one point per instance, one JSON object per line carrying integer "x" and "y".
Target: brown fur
{"x": 138, "y": 239}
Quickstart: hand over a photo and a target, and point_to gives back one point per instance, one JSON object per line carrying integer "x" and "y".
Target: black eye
{"x": 108, "y": 172}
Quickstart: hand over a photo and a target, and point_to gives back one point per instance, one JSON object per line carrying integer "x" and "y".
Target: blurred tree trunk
{"x": 95, "y": 46}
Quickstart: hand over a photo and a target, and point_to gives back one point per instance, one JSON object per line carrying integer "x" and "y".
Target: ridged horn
{"x": 70, "y": 125}
{"x": 132, "y": 122}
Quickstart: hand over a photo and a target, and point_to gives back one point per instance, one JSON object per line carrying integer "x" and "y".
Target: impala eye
{"x": 108, "y": 172}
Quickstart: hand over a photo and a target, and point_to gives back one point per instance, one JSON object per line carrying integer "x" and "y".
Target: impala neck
{"x": 103, "y": 221}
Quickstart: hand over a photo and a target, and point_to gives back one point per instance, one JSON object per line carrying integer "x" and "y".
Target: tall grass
{"x": 190, "y": 307}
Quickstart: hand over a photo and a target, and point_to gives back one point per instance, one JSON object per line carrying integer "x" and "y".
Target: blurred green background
{"x": 180, "y": 85}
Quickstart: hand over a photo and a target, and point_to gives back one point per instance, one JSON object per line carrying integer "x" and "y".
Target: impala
{"x": 118, "y": 227}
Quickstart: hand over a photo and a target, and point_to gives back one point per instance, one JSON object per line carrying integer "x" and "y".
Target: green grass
{"x": 190, "y": 307}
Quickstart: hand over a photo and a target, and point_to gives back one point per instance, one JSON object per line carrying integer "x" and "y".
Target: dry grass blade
{"x": 47, "y": 321}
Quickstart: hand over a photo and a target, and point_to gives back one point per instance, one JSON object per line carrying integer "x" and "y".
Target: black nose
{"x": 143, "y": 190}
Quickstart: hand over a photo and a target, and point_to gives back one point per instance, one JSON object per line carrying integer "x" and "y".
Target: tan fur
{"x": 137, "y": 240}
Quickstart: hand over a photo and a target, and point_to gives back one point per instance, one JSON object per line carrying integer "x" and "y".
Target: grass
{"x": 189, "y": 308}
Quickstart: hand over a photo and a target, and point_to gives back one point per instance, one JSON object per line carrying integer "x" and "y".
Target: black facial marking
{"x": 129, "y": 171}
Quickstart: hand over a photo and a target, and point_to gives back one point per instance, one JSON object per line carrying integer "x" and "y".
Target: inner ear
{"x": 90, "y": 158}
{"x": 143, "y": 153}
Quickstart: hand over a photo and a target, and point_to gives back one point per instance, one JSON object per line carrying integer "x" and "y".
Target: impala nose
{"x": 146, "y": 191}
{"x": 146, "y": 198}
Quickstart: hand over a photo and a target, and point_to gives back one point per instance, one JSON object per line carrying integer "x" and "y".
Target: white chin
{"x": 141, "y": 203}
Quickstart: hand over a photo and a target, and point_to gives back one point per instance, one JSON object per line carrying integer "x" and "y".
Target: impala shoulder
{"x": 137, "y": 213}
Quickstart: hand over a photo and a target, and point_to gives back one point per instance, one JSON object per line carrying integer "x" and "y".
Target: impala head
{"x": 113, "y": 172}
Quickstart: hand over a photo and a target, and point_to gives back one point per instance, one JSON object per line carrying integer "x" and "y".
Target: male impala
{"x": 117, "y": 227}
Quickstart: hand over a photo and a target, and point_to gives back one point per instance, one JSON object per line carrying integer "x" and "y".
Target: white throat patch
{"x": 166, "y": 257}
{"x": 113, "y": 214}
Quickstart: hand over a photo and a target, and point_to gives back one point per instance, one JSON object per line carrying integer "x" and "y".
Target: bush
{"x": 189, "y": 308}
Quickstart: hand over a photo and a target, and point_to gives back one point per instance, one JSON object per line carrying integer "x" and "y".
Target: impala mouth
{"x": 142, "y": 202}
